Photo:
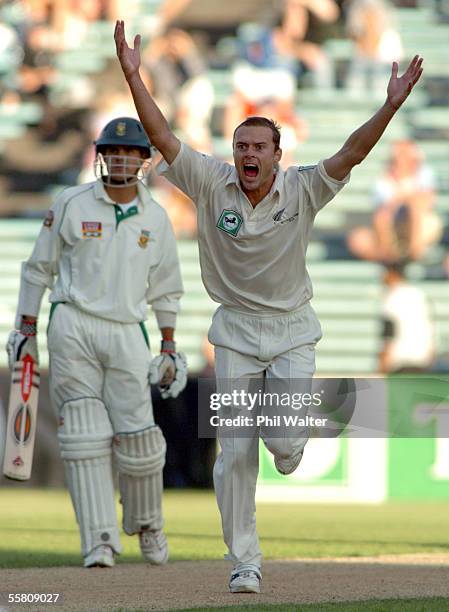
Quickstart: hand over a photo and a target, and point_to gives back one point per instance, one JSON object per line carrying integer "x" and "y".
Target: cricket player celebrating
{"x": 112, "y": 250}
{"x": 254, "y": 221}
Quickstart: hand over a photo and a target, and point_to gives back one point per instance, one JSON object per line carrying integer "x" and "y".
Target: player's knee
{"x": 85, "y": 431}
{"x": 140, "y": 453}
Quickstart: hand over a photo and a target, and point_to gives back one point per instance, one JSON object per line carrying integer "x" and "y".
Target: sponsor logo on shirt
{"x": 48, "y": 221}
{"x": 91, "y": 229}
{"x": 144, "y": 239}
{"x": 230, "y": 222}
{"x": 278, "y": 216}
{"x": 279, "y": 219}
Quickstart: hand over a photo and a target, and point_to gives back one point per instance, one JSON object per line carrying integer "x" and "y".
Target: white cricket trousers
{"x": 265, "y": 352}
{"x": 99, "y": 385}
{"x": 92, "y": 357}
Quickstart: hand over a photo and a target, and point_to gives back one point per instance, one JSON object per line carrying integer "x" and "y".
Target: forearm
{"x": 30, "y": 298}
{"x": 168, "y": 334}
{"x": 360, "y": 142}
{"x": 153, "y": 121}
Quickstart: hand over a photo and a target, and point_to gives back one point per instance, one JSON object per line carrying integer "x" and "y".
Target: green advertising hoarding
{"x": 397, "y": 448}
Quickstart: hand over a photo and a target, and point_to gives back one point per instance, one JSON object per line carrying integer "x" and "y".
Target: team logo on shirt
{"x": 49, "y": 218}
{"x": 144, "y": 239}
{"x": 230, "y": 222}
{"x": 91, "y": 229}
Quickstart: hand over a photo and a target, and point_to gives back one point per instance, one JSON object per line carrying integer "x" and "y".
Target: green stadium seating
{"x": 347, "y": 301}
{"x": 348, "y": 294}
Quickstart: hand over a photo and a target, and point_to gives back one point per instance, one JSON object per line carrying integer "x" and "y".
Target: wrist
{"x": 28, "y": 326}
{"x": 133, "y": 76}
{"x": 168, "y": 346}
{"x": 390, "y": 104}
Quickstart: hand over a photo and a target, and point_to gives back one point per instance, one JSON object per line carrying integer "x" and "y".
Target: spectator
{"x": 11, "y": 52}
{"x": 408, "y": 334}
{"x": 294, "y": 38}
{"x": 49, "y": 153}
{"x": 369, "y": 23}
{"x": 72, "y": 19}
{"x": 264, "y": 85}
{"x": 181, "y": 86}
{"x": 404, "y": 222}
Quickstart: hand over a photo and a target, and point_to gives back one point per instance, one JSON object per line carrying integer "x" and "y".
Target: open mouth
{"x": 250, "y": 170}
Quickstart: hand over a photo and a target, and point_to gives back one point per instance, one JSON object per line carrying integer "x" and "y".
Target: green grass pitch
{"x": 38, "y": 529}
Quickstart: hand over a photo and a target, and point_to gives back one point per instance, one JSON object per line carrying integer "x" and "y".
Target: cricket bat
{"x": 22, "y": 413}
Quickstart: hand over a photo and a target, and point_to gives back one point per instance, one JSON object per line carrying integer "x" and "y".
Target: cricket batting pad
{"x": 85, "y": 438}
{"x": 140, "y": 459}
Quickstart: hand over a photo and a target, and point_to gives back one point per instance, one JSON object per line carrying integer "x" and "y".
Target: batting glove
{"x": 21, "y": 343}
{"x": 169, "y": 371}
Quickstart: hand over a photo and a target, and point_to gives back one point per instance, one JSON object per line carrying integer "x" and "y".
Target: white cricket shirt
{"x": 253, "y": 258}
{"x": 108, "y": 262}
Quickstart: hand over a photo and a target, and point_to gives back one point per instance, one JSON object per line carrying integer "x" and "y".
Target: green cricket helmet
{"x": 123, "y": 131}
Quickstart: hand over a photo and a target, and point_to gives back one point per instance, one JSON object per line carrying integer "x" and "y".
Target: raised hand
{"x": 129, "y": 58}
{"x": 400, "y": 87}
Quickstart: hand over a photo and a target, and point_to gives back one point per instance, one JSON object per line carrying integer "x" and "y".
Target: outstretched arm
{"x": 152, "y": 119}
{"x": 360, "y": 143}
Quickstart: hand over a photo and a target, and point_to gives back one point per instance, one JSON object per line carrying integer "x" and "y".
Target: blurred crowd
{"x": 60, "y": 84}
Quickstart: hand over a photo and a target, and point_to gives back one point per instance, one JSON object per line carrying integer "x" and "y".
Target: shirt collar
{"x": 101, "y": 193}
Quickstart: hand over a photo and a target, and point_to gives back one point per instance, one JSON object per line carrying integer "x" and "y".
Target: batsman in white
{"x": 254, "y": 222}
{"x": 106, "y": 250}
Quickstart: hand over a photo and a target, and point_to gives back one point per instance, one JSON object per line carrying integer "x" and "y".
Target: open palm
{"x": 129, "y": 58}
{"x": 400, "y": 87}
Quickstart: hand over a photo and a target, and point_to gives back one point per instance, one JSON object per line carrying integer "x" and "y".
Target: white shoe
{"x": 245, "y": 579}
{"x": 100, "y": 556}
{"x": 153, "y": 545}
{"x": 289, "y": 465}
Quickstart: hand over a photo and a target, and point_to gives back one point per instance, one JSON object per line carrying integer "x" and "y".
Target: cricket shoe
{"x": 245, "y": 579}
{"x": 289, "y": 465}
{"x": 100, "y": 556}
{"x": 153, "y": 545}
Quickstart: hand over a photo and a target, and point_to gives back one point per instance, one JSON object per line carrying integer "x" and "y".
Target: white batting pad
{"x": 140, "y": 459}
{"x": 85, "y": 437}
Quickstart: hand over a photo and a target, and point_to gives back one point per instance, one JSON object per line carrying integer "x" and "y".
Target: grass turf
{"x": 38, "y": 529}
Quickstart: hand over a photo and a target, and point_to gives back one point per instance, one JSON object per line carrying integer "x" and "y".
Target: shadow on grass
{"x": 443, "y": 545}
{"x": 13, "y": 559}
{"x": 21, "y": 530}
{"x": 317, "y": 540}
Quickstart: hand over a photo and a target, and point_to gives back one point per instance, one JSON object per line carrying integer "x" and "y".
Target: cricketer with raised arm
{"x": 254, "y": 223}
